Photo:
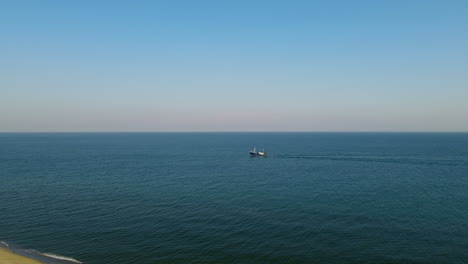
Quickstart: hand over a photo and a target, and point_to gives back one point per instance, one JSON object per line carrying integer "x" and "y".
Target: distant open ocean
{"x": 143, "y": 198}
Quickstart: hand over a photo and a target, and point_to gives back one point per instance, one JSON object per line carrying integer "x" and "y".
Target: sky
{"x": 235, "y": 65}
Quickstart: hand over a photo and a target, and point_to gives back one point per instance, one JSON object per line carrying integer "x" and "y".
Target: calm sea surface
{"x": 128, "y": 198}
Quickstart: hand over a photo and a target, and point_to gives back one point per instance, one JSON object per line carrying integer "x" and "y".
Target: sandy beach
{"x": 8, "y": 257}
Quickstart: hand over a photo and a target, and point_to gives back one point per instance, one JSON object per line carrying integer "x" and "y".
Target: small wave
{"x": 60, "y": 257}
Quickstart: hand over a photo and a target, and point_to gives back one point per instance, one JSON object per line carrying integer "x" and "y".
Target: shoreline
{"x": 9, "y": 257}
{"x": 12, "y": 254}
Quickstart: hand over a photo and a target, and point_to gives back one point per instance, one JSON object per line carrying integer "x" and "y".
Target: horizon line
{"x": 222, "y": 131}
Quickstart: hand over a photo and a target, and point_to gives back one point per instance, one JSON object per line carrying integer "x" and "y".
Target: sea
{"x": 144, "y": 198}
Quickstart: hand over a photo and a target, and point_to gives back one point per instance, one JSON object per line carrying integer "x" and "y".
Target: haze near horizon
{"x": 234, "y": 66}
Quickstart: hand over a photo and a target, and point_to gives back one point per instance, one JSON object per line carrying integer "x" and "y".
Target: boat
{"x": 254, "y": 153}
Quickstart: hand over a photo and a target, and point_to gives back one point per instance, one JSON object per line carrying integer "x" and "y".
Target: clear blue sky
{"x": 234, "y": 65}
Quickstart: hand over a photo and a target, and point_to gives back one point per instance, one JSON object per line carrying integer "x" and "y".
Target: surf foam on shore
{"x": 12, "y": 254}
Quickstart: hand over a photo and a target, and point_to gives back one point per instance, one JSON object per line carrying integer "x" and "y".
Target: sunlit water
{"x": 125, "y": 198}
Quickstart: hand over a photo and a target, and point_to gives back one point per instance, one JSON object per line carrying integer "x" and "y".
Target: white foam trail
{"x": 50, "y": 255}
{"x": 5, "y": 243}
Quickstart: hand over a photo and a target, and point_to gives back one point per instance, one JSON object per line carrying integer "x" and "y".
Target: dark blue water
{"x": 199, "y": 198}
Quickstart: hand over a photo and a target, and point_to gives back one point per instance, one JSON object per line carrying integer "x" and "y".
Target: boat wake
{"x": 385, "y": 159}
